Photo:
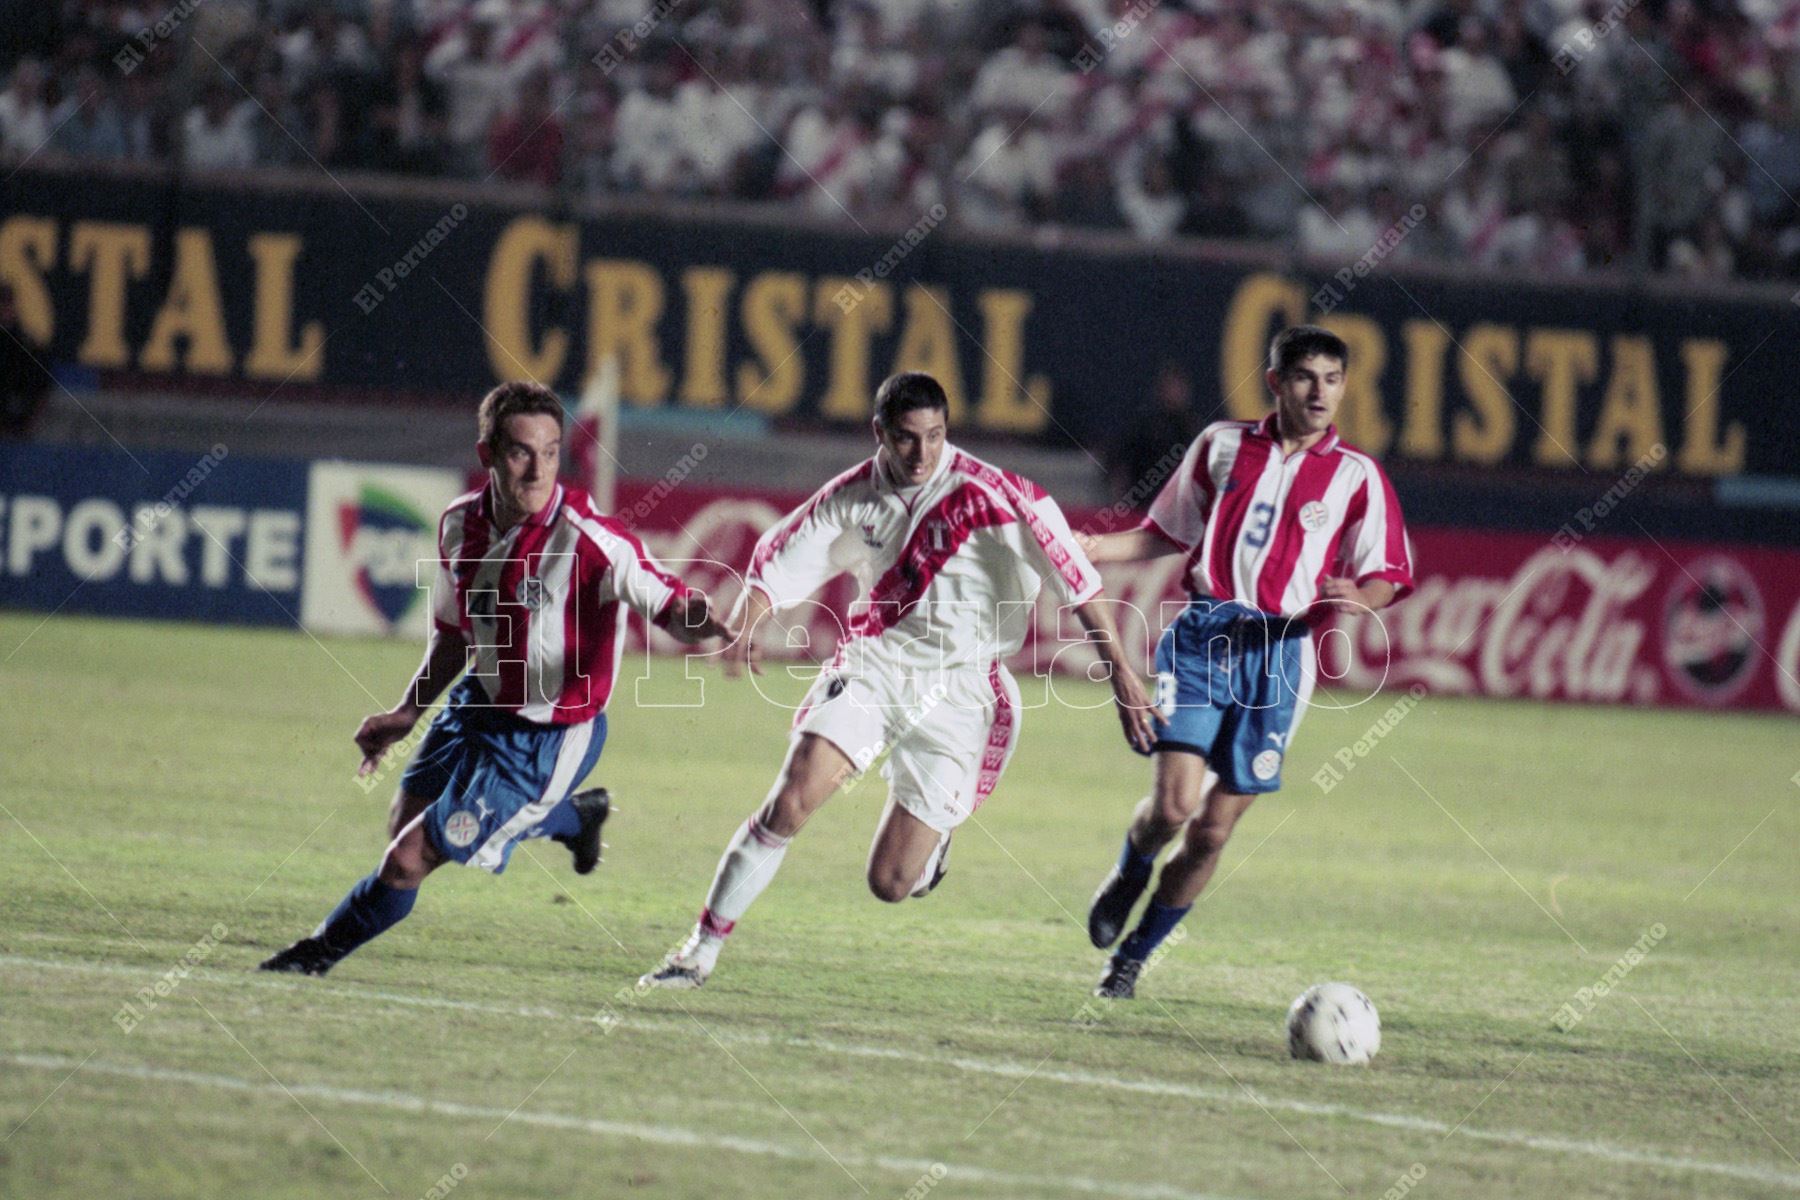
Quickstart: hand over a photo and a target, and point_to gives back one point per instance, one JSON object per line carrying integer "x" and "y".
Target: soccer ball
{"x": 1334, "y": 1023}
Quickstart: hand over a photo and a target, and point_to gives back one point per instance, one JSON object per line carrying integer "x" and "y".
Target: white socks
{"x": 746, "y": 868}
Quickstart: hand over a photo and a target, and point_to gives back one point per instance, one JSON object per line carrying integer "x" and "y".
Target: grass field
{"x": 180, "y": 799}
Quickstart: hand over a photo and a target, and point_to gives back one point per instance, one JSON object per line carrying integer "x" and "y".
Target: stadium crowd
{"x": 1537, "y": 135}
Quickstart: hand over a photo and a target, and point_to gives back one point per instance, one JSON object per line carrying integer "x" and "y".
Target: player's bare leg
{"x": 1188, "y": 870}
{"x": 813, "y": 770}
{"x": 1174, "y": 798}
{"x": 401, "y": 812}
{"x": 410, "y": 857}
{"x": 1180, "y": 785}
{"x": 1183, "y": 878}
{"x": 377, "y": 903}
{"x": 904, "y": 859}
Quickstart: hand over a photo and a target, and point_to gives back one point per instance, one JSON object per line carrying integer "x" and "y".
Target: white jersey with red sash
{"x": 949, "y": 569}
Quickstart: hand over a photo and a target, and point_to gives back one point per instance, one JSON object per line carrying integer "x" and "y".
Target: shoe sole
{"x": 682, "y": 983}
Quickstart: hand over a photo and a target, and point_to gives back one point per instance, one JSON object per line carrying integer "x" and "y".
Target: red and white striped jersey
{"x": 949, "y": 569}
{"x": 539, "y": 603}
{"x": 1265, "y": 529}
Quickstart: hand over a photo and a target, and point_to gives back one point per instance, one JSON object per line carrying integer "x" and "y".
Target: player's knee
{"x": 1213, "y": 830}
{"x": 1172, "y": 807}
{"x": 401, "y": 870}
{"x": 407, "y": 861}
{"x": 887, "y": 885}
{"x": 1209, "y": 837}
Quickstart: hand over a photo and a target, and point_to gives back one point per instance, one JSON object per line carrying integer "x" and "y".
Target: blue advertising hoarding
{"x": 213, "y": 537}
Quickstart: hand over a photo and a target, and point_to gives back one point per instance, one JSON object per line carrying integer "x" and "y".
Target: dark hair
{"x": 511, "y": 400}
{"x": 1297, "y": 343}
{"x": 902, "y": 393}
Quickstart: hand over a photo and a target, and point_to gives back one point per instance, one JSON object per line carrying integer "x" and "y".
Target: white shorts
{"x": 946, "y": 736}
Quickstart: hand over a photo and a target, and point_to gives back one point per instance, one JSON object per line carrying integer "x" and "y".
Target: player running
{"x": 951, "y": 553}
{"x": 1281, "y": 523}
{"x": 530, "y": 582}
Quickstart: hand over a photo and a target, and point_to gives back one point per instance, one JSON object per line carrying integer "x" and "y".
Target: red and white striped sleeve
{"x": 1375, "y": 542}
{"x": 446, "y": 606}
{"x": 793, "y": 558}
{"x": 1180, "y": 509}
{"x": 634, "y": 577}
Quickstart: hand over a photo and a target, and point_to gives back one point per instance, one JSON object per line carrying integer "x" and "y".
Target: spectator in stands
{"x": 829, "y": 162}
{"x": 593, "y": 112}
{"x": 477, "y": 83}
{"x": 322, "y": 122}
{"x": 718, "y": 126}
{"x": 1339, "y": 227}
{"x": 1705, "y": 254}
{"x": 527, "y": 143}
{"x": 87, "y": 124}
{"x": 323, "y": 44}
{"x": 141, "y": 119}
{"x": 1007, "y": 174}
{"x": 24, "y": 115}
{"x": 1614, "y": 121}
{"x": 1671, "y": 160}
{"x": 1086, "y": 196}
{"x": 216, "y": 133}
{"x": 649, "y": 154}
{"x": 406, "y": 125}
{"x": 277, "y": 123}
{"x": 1771, "y": 140}
{"x": 1153, "y": 208}
{"x": 1025, "y": 76}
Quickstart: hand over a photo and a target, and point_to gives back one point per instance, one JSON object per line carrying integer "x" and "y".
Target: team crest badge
{"x": 1313, "y": 516}
{"x": 1264, "y": 765}
{"x": 531, "y": 592}
{"x": 460, "y": 828}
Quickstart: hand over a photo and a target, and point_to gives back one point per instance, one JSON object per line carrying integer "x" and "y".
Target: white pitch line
{"x": 662, "y": 1135}
{"x": 649, "y": 1022}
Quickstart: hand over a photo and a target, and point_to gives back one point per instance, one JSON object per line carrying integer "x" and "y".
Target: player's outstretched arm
{"x": 1343, "y": 595}
{"x": 747, "y": 620}
{"x": 690, "y": 620}
{"x": 445, "y": 657}
{"x": 1136, "y": 714}
{"x": 1127, "y": 545}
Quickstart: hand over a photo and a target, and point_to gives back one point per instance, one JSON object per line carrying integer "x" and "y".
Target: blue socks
{"x": 562, "y": 822}
{"x": 1158, "y": 921}
{"x": 1134, "y": 864}
{"x": 369, "y": 908}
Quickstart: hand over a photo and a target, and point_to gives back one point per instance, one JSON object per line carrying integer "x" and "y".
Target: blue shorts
{"x": 495, "y": 778}
{"x": 1230, "y": 681}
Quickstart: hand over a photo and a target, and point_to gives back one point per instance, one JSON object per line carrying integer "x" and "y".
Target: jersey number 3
{"x": 1262, "y": 516}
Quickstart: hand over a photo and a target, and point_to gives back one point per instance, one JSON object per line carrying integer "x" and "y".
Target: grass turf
{"x": 1481, "y": 864}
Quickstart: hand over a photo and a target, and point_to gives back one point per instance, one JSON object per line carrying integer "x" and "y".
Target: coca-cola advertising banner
{"x": 1593, "y": 619}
